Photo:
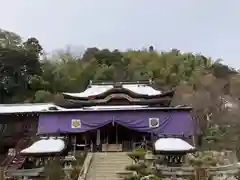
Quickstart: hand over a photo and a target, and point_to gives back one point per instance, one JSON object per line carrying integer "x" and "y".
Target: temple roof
{"x": 94, "y": 90}
{"x": 45, "y": 146}
{"x": 172, "y": 145}
{"x": 117, "y": 93}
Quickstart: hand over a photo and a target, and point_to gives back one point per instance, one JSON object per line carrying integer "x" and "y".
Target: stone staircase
{"x": 105, "y": 166}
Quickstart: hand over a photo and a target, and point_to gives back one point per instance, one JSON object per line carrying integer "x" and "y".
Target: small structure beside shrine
{"x": 37, "y": 156}
{"x": 173, "y": 150}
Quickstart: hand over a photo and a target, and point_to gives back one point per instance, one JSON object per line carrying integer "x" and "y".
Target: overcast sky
{"x": 211, "y": 27}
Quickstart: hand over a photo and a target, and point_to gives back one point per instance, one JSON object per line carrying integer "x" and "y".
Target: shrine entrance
{"x": 115, "y": 137}
{"x": 111, "y": 137}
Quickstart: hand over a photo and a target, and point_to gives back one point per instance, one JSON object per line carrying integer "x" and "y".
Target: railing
{"x": 26, "y": 172}
{"x": 147, "y": 145}
{"x": 10, "y": 157}
{"x": 191, "y": 171}
{"x": 85, "y": 167}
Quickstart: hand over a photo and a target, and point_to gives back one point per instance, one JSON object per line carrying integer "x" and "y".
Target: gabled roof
{"x": 94, "y": 90}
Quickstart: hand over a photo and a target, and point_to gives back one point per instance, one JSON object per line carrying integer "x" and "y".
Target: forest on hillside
{"x": 207, "y": 85}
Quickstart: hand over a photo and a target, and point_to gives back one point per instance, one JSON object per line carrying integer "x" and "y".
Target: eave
{"x": 69, "y": 103}
{"x": 121, "y": 90}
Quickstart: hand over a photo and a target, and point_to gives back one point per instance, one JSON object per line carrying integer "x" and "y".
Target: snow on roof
{"x": 45, "y": 146}
{"x": 172, "y": 144}
{"x": 142, "y": 89}
{"x": 25, "y": 108}
{"x": 94, "y": 90}
{"x": 91, "y": 91}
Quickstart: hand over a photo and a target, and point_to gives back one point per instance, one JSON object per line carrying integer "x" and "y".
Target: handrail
{"x": 85, "y": 167}
{"x": 10, "y": 158}
{"x": 144, "y": 144}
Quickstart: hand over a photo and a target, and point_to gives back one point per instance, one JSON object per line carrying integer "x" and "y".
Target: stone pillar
{"x": 201, "y": 174}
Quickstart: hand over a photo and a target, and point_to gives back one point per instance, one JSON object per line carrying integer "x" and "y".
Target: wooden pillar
{"x": 116, "y": 133}
{"x": 194, "y": 141}
{"x": 2, "y": 173}
{"x": 98, "y": 139}
{"x": 107, "y": 136}
{"x": 201, "y": 174}
{"x": 74, "y": 145}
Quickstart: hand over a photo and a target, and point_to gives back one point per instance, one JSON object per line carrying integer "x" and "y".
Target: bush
{"x": 132, "y": 178}
{"x": 136, "y": 167}
{"x": 75, "y": 173}
{"x": 137, "y": 154}
{"x": 203, "y": 159}
{"x": 148, "y": 177}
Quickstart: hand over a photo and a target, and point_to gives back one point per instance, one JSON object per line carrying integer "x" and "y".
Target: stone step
{"x": 112, "y": 158}
{"x": 104, "y": 178}
{"x": 114, "y": 171}
{"x": 99, "y": 166}
{"x": 111, "y": 154}
{"x": 98, "y": 176}
{"x": 111, "y": 167}
{"x": 113, "y": 161}
{"x": 105, "y": 166}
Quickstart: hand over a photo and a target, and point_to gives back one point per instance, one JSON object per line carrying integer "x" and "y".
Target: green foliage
{"x": 75, "y": 173}
{"x": 132, "y": 178}
{"x": 203, "y": 159}
{"x": 22, "y": 74}
{"x": 42, "y": 96}
{"x": 141, "y": 167}
{"x": 149, "y": 177}
{"x": 17, "y": 64}
{"x": 54, "y": 170}
{"x": 136, "y": 167}
{"x": 137, "y": 154}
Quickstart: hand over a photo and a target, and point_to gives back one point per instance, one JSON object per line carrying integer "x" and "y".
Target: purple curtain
{"x": 170, "y": 122}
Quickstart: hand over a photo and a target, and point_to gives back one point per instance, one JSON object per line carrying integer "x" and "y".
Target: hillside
{"x": 211, "y": 87}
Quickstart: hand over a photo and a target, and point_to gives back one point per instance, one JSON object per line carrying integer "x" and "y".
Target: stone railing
{"x": 223, "y": 157}
{"x": 220, "y": 171}
{"x": 85, "y": 167}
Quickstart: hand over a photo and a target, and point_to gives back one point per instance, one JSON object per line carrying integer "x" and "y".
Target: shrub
{"x": 137, "y": 154}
